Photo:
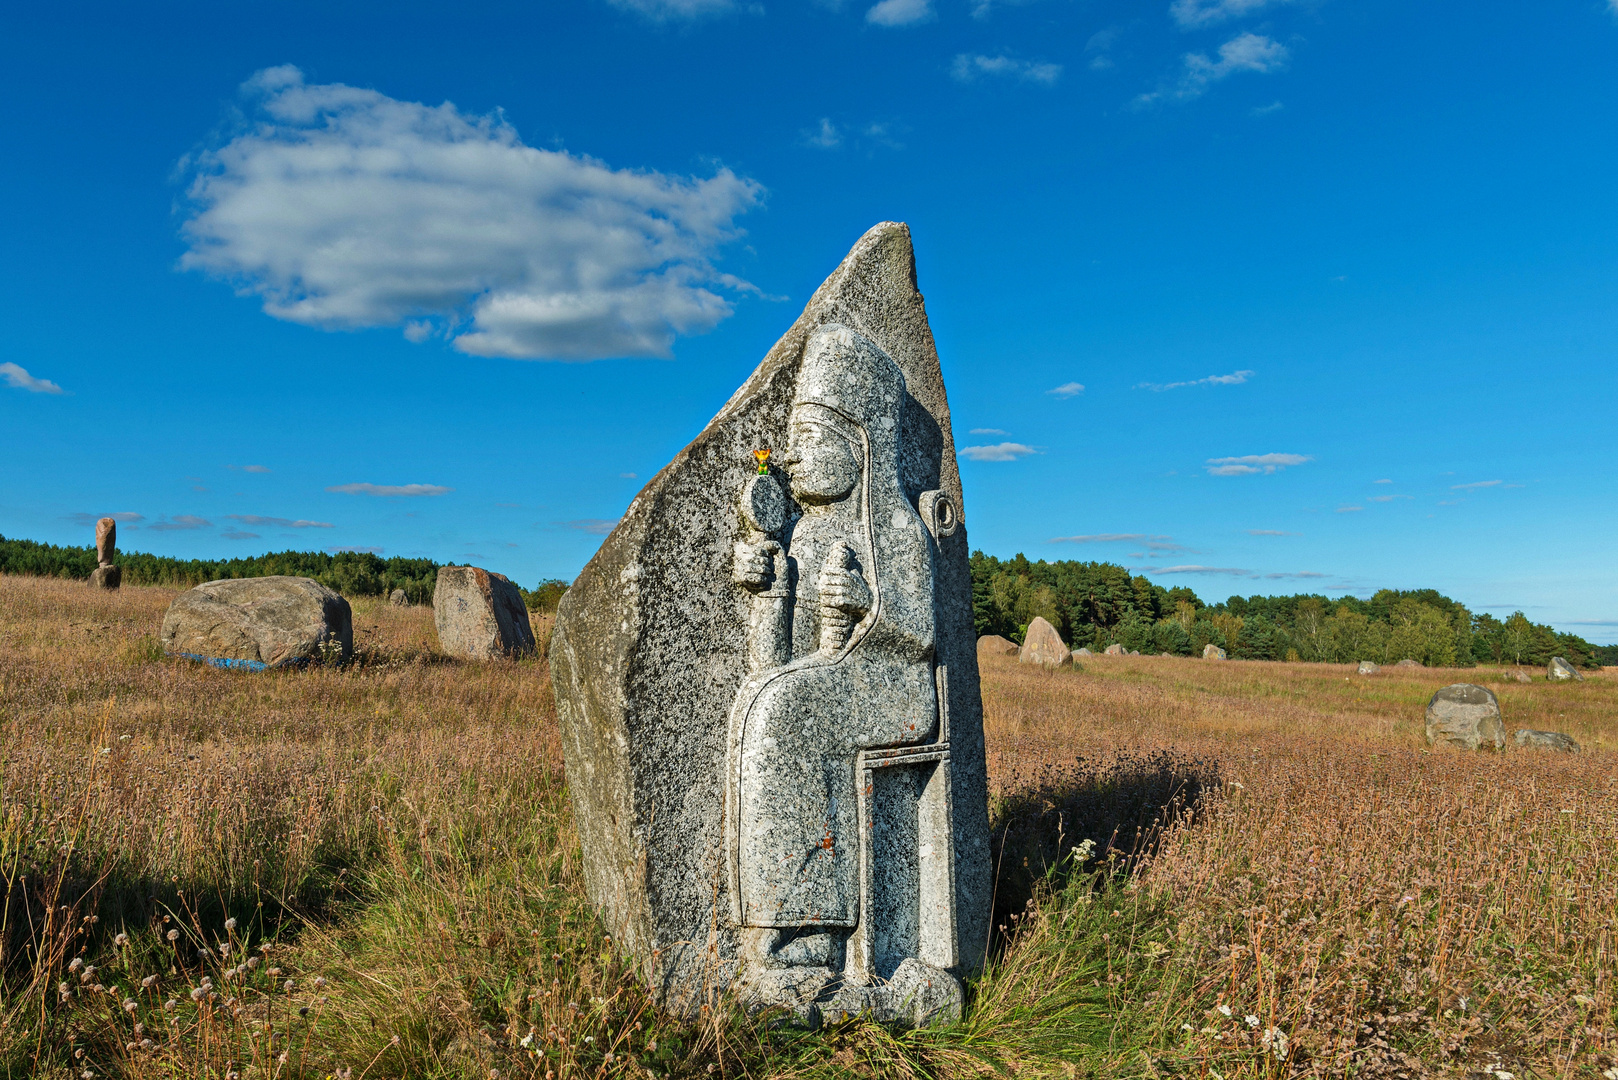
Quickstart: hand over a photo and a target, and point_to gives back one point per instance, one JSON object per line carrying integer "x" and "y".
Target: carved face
{"x": 819, "y": 459}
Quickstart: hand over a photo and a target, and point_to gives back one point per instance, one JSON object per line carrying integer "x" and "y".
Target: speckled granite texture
{"x": 768, "y": 686}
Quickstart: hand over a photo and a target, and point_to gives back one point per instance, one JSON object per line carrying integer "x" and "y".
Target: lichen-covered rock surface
{"x": 479, "y": 615}
{"x": 258, "y": 623}
{"x": 1043, "y": 645}
{"x": 1466, "y": 716}
{"x": 719, "y": 608}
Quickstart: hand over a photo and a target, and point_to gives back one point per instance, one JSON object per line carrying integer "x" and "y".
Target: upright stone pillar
{"x": 106, "y": 575}
{"x": 767, "y": 683}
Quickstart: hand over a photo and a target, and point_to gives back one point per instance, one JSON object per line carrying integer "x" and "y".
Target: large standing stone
{"x": 995, "y": 645}
{"x": 1211, "y": 651}
{"x": 1368, "y": 668}
{"x": 1466, "y": 716}
{"x": 1043, "y": 645}
{"x": 1115, "y": 649}
{"x": 480, "y": 615}
{"x": 1559, "y": 670}
{"x": 767, "y": 682}
{"x": 1545, "y": 740}
{"x": 258, "y": 623}
{"x": 106, "y": 575}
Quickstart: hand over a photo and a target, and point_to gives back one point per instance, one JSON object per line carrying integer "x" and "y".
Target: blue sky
{"x": 1249, "y": 295}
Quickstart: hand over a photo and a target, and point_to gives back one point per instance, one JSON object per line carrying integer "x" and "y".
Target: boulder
{"x": 1077, "y": 653}
{"x": 480, "y": 615}
{"x": 1368, "y": 668}
{"x": 1211, "y": 651}
{"x": 767, "y": 683}
{"x": 259, "y": 623}
{"x": 1545, "y": 740}
{"x": 1559, "y": 670}
{"x": 1465, "y": 716}
{"x": 1407, "y": 662}
{"x": 1043, "y": 645}
{"x": 106, "y": 577}
{"x": 995, "y": 645}
{"x": 398, "y": 598}
{"x": 1519, "y": 675}
{"x": 1166, "y": 655}
{"x": 1114, "y": 649}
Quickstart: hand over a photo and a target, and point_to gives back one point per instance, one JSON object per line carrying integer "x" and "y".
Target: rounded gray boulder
{"x": 995, "y": 645}
{"x": 1043, "y": 645}
{"x": 1559, "y": 670}
{"x": 1211, "y": 651}
{"x": 1529, "y": 739}
{"x": 1368, "y": 668}
{"x": 259, "y": 623}
{"x": 1466, "y": 716}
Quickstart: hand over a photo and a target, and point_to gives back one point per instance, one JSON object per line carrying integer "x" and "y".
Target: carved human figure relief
{"x": 841, "y": 662}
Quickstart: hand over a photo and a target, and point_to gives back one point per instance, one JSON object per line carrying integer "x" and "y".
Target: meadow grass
{"x": 370, "y": 871}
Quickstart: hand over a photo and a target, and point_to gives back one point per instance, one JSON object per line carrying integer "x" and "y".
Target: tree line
{"x": 1096, "y": 604}
{"x": 350, "y": 573}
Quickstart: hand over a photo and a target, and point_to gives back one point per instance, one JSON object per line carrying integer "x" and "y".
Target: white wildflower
{"x": 1252, "y": 1021}
{"x": 1224, "y": 1010}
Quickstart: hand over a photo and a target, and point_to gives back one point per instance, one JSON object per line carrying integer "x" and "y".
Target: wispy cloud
{"x": 986, "y": 431}
{"x": 1381, "y": 481}
{"x": 1389, "y": 498}
{"x": 1349, "y": 509}
{"x": 1195, "y": 14}
{"x": 675, "y": 10}
{"x": 1266, "y": 110}
{"x": 278, "y": 522}
{"x": 1006, "y": 451}
{"x": 1582, "y": 622}
{"x": 1097, "y": 48}
{"x": 391, "y": 490}
{"x": 1271, "y": 532}
{"x": 238, "y": 534}
{"x": 900, "y": 12}
{"x": 1235, "y": 378}
{"x": 1244, "y": 52}
{"x": 249, "y": 468}
{"x": 1100, "y": 538}
{"x": 1250, "y": 464}
{"x": 344, "y": 208}
{"x": 1475, "y": 485}
{"x": 125, "y": 518}
{"x": 593, "y": 526}
{"x": 356, "y": 550}
{"x": 1067, "y": 390}
{"x": 1233, "y": 571}
{"x": 1296, "y": 574}
{"x": 825, "y": 136}
{"x": 18, "y": 378}
{"x": 180, "y": 522}
{"x": 969, "y": 67}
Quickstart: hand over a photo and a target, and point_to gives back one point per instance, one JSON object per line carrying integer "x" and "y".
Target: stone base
{"x": 918, "y": 995}
{"x": 106, "y": 577}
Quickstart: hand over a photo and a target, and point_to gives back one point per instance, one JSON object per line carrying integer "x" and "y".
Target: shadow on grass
{"x": 1120, "y": 805}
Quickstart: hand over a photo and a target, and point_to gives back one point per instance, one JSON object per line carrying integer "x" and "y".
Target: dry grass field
{"x": 370, "y": 872}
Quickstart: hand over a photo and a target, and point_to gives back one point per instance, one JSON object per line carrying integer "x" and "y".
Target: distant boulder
{"x": 1081, "y": 652}
{"x": 1169, "y": 655}
{"x": 259, "y": 623}
{"x": 480, "y": 615}
{"x": 1519, "y": 675}
{"x": 995, "y": 645}
{"x": 398, "y": 598}
{"x": 1116, "y": 649}
{"x": 1368, "y": 668}
{"x": 1560, "y": 670}
{"x": 1466, "y": 716}
{"x": 1043, "y": 645}
{"x": 1545, "y": 740}
{"x": 1211, "y": 651}
{"x": 1407, "y": 662}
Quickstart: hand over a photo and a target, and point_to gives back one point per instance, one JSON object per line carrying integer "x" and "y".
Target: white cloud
{"x": 671, "y": 10}
{"x": 1098, "y": 538}
{"x": 180, "y": 522}
{"x": 987, "y": 431}
{"x": 391, "y": 490}
{"x": 1381, "y": 481}
{"x": 19, "y": 379}
{"x": 1194, "y": 14}
{"x": 969, "y": 68}
{"x": 1235, "y": 378}
{"x": 1474, "y": 486}
{"x": 1067, "y": 390}
{"x": 900, "y": 12}
{"x": 344, "y": 208}
{"x": 1249, "y": 464}
{"x": 278, "y": 522}
{"x": 249, "y": 468}
{"x": 1349, "y": 509}
{"x": 824, "y": 137}
{"x": 1236, "y": 571}
{"x": 126, "y": 518}
{"x": 1244, "y": 52}
{"x": 1006, "y": 451}
{"x": 1099, "y": 45}
{"x": 1389, "y": 498}
{"x": 238, "y": 534}
{"x": 1270, "y": 532}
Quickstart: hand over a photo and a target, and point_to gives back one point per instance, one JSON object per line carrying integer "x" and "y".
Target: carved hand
{"x": 845, "y": 590}
{"x": 755, "y": 565}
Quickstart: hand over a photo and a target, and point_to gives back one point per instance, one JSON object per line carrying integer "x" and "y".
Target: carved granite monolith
{"x": 767, "y": 683}
{"x": 106, "y": 575}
